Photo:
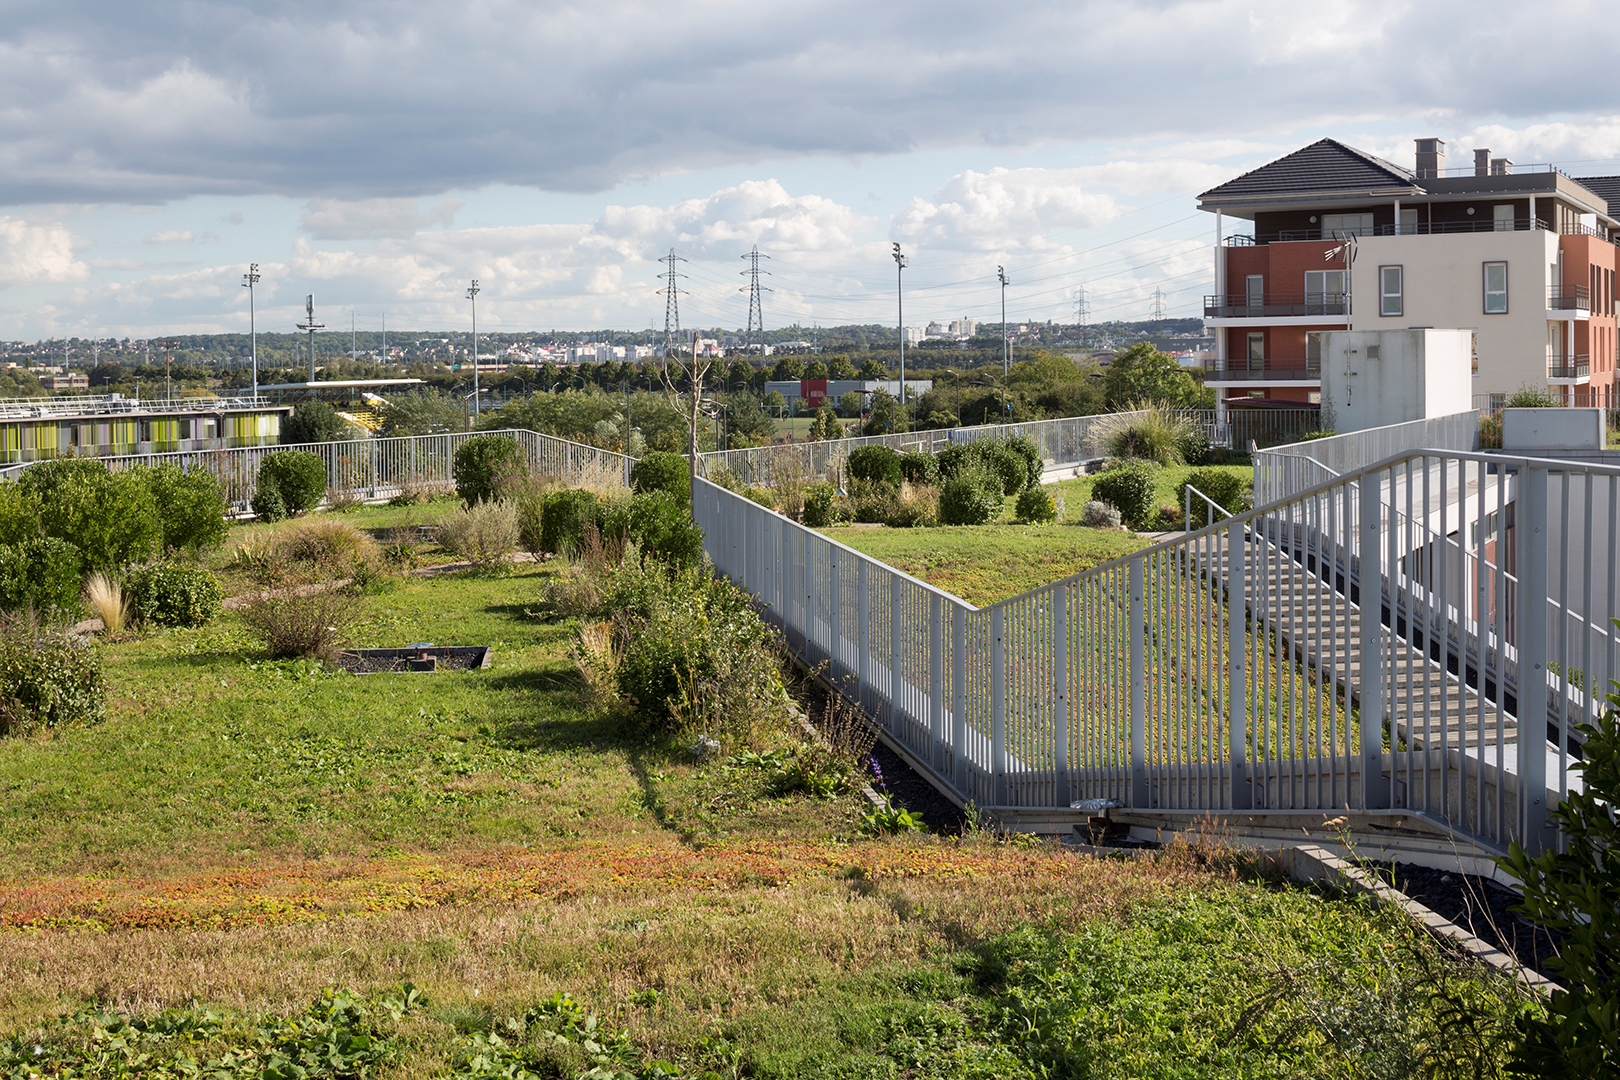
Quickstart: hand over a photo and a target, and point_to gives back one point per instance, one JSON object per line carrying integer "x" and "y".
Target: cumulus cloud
{"x": 37, "y": 254}
{"x": 982, "y": 211}
{"x": 352, "y": 100}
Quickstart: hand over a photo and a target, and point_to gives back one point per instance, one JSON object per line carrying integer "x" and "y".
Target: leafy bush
{"x": 971, "y": 497}
{"x": 1099, "y": 515}
{"x": 567, "y": 513}
{"x": 955, "y": 457}
{"x": 290, "y": 483}
{"x": 483, "y": 465}
{"x": 820, "y": 501}
{"x": 663, "y": 529}
{"x": 1229, "y": 491}
{"x": 1128, "y": 488}
{"x": 919, "y": 467}
{"x": 1034, "y": 466}
{"x": 41, "y": 573}
{"x": 1194, "y": 445}
{"x": 191, "y": 507}
{"x": 484, "y": 534}
{"x": 880, "y": 464}
{"x": 870, "y": 502}
{"x": 49, "y": 677}
{"x": 531, "y": 517}
{"x": 112, "y": 518}
{"x": 1036, "y": 506}
{"x": 1532, "y": 397}
{"x": 170, "y": 594}
{"x": 1490, "y": 431}
{"x": 313, "y": 422}
{"x": 1008, "y": 464}
{"x": 663, "y": 471}
{"x": 1577, "y": 895}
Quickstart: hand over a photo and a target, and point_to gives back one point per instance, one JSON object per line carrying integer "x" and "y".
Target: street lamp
{"x": 1002, "y": 275}
{"x": 472, "y": 294}
{"x": 250, "y": 279}
{"x": 900, "y": 310}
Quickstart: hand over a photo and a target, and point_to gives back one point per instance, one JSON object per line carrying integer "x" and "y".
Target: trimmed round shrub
{"x": 1036, "y": 506}
{"x": 972, "y": 497}
{"x": 918, "y": 467}
{"x": 877, "y": 463}
{"x": 1034, "y": 466}
{"x": 1007, "y": 464}
{"x": 663, "y": 529}
{"x": 49, "y": 677}
{"x": 1229, "y": 490}
{"x": 298, "y": 480}
{"x": 42, "y": 573}
{"x": 820, "y": 501}
{"x": 954, "y": 458}
{"x": 1128, "y": 488}
{"x": 567, "y": 513}
{"x": 483, "y": 464}
{"x": 664, "y": 471}
{"x": 170, "y": 594}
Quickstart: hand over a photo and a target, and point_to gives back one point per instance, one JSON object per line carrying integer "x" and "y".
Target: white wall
{"x": 1444, "y": 287}
{"x": 1417, "y": 374}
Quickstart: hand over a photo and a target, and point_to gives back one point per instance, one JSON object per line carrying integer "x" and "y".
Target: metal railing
{"x": 1569, "y": 298}
{"x": 382, "y": 468}
{"x": 1282, "y": 470}
{"x": 1568, "y": 366}
{"x": 1356, "y": 646}
{"x": 1266, "y": 426}
{"x": 1210, "y": 509}
{"x": 1275, "y": 305}
{"x": 1261, "y": 370}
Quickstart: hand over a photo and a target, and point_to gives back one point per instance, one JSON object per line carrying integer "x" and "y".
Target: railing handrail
{"x": 1209, "y": 502}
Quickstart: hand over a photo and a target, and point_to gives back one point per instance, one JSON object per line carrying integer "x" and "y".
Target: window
{"x": 1496, "y": 288}
{"x": 1257, "y": 347}
{"x": 1324, "y": 292}
{"x": 1339, "y": 225}
{"x": 1313, "y": 350}
{"x": 1254, "y": 289}
{"x": 1407, "y": 223}
{"x": 1389, "y": 290}
{"x": 1503, "y": 214}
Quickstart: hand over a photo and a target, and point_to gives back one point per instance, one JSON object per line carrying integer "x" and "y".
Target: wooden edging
{"x": 1311, "y": 862}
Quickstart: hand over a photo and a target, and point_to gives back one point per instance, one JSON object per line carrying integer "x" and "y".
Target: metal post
{"x": 835, "y": 622}
{"x": 1061, "y": 704}
{"x": 959, "y": 708}
{"x": 863, "y": 631}
{"x": 1531, "y": 523}
{"x": 1237, "y": 727}
{"x": 1374, "y": 790}
{"x": 998, "y": 704}
{"x": 1136, "y": 631}
{"x": 896, "y": 681}
{"x": 936, "y": 678}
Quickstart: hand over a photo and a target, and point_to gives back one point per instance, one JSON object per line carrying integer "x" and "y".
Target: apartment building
{"x": 1333, "y": 238}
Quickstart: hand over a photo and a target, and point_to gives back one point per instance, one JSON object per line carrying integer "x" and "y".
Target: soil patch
{"x": 1478, "y": 905}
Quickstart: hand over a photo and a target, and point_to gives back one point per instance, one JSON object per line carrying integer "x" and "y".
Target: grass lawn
{"x": 1077, "y": 492}
{"x": 985, "y": 563}
{"x": 239, "y": 835}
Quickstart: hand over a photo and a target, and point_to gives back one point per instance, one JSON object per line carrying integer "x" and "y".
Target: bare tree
{"x": 690, "y": 370}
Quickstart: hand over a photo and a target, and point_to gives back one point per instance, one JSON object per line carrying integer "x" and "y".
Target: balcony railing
{"x": 1569, "y": 298}
{"x": 1568, "y": 366}
{"x": 1279, "y": 370}
{"x": 1274, "y": 305}
{"x": 1437, "y": 228}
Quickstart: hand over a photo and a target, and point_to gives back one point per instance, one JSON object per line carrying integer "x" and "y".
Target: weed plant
{"x": 105, "y": 599}
{"x": 50, "y": 678}
{"x": 484, "y": 533}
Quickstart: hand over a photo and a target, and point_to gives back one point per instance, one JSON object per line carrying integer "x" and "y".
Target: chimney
{"x": 1482, "y": 163}
{"x": 1431, "y": 158}
{"x": 1501, "y": 166}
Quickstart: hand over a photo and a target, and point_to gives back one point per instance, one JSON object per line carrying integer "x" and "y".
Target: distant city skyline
{"x": 150, "y": 153}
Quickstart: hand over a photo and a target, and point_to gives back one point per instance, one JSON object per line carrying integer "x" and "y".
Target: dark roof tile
{"x": 1325, "y": 165}
{"x": 1604, "y": 187}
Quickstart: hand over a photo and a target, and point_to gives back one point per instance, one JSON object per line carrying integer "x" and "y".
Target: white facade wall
{"x": 1443, "y": 279}
{"x": 1415, "y": 375}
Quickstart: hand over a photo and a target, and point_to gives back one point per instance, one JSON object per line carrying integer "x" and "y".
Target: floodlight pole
{"x": 168, "y": 358}
{"x": 472, "y": 294}
{"x": 250, "y": 279}
{"x": 310, "y": 325}
{"x": 1002, "y": 275}
{"x": 900, "y": 311}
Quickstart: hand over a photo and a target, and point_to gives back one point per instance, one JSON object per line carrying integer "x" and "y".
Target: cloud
{"x": 354, "y": 100}
{"x": 369, "y": 219}
{"x": 982, "y": 211}
{"x": 170, "y": 236}
{"x": 37, "y": 254}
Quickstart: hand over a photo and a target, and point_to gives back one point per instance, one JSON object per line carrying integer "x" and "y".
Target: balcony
{"x": 1276, "y": 306}
{"x": 1568, "y": 298}
{"x": 1568, "y": 367}
{"x": 1224, "y": 371}
{"x": 1437, "y": 228}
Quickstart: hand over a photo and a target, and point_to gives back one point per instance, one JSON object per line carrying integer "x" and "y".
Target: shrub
{"x": 613, "y": 515}
{"x": 1034, "y": 466}
{"x": 1036, "y": 506}
{"x": 308, "y": 619}
{"x": 880, "y": 464}
{"x": 1099, "y": 515}
{"x": 169, "y": 594}
{"x": 191, "y": 507}
{"x": 1128, "y": 488}
{"x": 663, "y": 529}
{"x": 761, "y": 496}
{"x": 1229, "y": 490}
{"x": 870, "y": 501}
{"x": 1576, "y": 894}
{"x": 41, "y": 573}
{"x": 112, "y": 518}
{"x": 106, "y": 600}
{"x": 663, "y": 471}
{"x": 820, "y": 501}
{"x": 1150, "y": 433}
{"x": 1490, "y": 431}
{"x": 295, "y": 479}
{"x": 915, "y": 507}
{"x": 919, "y": 467}
{"x": 313, "y": 422}
{"x": 531, "y": 517}
{"x": 483, "y": 464}
{"x": 484, "y": 534}
{"x": 567, "y": 513}
{"x": 955, "y": 457}
{"x": 326, "y": 549}
{"x": 972, "y": 497}
{"x": 1531, "y": 397}
{"x": 1008, "y": 465}
{"x": 1195, "y": 447}
{"x": 49, "y": 677}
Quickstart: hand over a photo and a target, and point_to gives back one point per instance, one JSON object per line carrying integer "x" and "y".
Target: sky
{"x": 381, "y": 156}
